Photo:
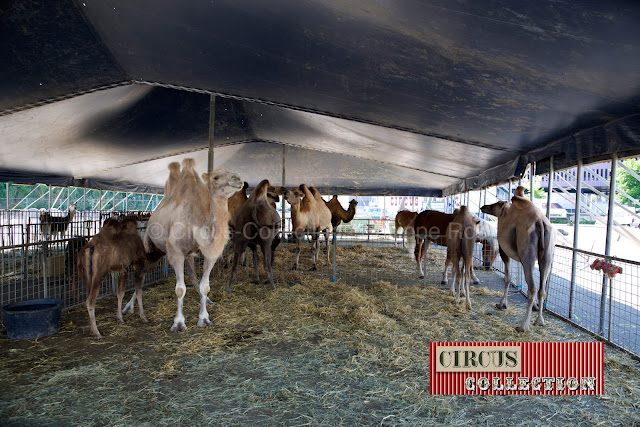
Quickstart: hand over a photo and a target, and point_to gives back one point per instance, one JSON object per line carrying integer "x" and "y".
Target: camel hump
{"x": 519, "y": 191}
{"x": 261, "y": 190}
{"x": 520, "y": 202}
{"x": 188, "y": 162}
{"x": 174, "y": 167}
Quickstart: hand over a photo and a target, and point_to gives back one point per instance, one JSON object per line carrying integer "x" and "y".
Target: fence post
{"x": 45, "y": 249}
{"x": 334, "y": 278}
{"x": 576, "y": 228}
{"x": 607, "y": 248}
{"x": 7, "y": 187}
{"x": 550, "y": 187}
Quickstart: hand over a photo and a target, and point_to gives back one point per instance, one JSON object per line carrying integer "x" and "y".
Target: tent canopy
{"x": 374, "y": 98}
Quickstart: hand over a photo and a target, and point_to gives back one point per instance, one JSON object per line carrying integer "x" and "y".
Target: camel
{"x": 461, "y": 238}
{"x": 403, "y": 218}
{"x": 256, "y": 222}
{"x": 338, "y": 214}
{"x": 236, "y": 200}
{"x": 525, "y": 235}
{"x": 116, "y": 246}
{"x": 310, "y": 215}
{"x": 194, "y": 217}
{"x": 487, "y": 235}
{"x": 50, "y": 225}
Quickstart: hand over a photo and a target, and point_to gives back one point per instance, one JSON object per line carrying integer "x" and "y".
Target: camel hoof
{"x": 228, "y": 289}
{"x": 501, "y": 306}
{"x": 540, "y": 322}
{"x": 421, "y": 276}
{"x": 127, "y": 309}
{"x": 120, "y": 320}
{"x": 476, "y": 282}
{"x": 521, "y": 329}
{"x": 294, "y": 268}
{"x": 314, "y": 268}
{"x": 98, "y": 337}
{"x": 203, "y": 323}
{"x": 469, "y": 307}
{"x": 178, "y": 327}
{"x": 256, "y": 281}
{"x": 452, "y": 294}
{"x": 444, "y": 282}
{"x": 144, "y": 320}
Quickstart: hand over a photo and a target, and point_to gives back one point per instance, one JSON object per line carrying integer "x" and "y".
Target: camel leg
{"x": 468, "y": 270}
{"x": 395, "y": 236}
{"x": 418, "y": 256}
{"x": 315, "y": 247}
{"x": 176, "y": 259}
{"x": 531, "y": 295}
{"x": 129, "y": 306}
{"x": 121, "y": 281}
{"x": 138, "y": 293}
{"x": 194, "y": 276}
{"x": 475, "y": 279}
{"x": 456, "y": 280}
{"x": 256, "y": 267}
{"x": 404, "y": 237}
{"x": 326, "y": 238}
{"x": 545, "y": 271}
{"x": 445, "y": 279}
{"x": 298, "y": 249}
{"x": 238, "y": 248}
{"x": 91, "y": 305}
{"x": 507, "y": 281}
{"x": 203, "y": 317}
{"x": 267, "y": 255}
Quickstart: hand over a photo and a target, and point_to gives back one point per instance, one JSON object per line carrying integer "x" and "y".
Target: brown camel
{"x": 194, "y": 217}
{"x": 526, "y": 235}
{"x": 338, "y": 214}
{"x": 258, "y": 223}
{"x": 236, "y": 200}
{"x": 461, "y": 238}
{"x": 310, "y": 215}
{"x": 403, "y": 218}
{"x": 114, "y": 248}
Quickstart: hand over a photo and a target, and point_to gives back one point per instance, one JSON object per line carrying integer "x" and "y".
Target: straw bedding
{"x": 312, "y": 352}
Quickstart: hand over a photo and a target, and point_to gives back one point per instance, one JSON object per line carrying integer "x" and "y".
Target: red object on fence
{"x": 606, "y": 267}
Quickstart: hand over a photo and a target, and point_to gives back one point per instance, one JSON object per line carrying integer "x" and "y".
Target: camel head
{"x": 222, "y": 183}
{"x": 495, "y": 209}
{"x": 293, "y": 197}
{"x": 353, "y": 202}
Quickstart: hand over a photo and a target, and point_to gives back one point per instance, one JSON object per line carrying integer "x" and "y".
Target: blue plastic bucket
{"x": 30, "y": 319}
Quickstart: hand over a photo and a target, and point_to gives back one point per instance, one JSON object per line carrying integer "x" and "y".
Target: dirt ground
{"x": 312, "y": 352}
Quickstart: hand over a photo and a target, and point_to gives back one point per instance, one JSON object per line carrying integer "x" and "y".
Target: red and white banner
{"x": 525, "y": 368}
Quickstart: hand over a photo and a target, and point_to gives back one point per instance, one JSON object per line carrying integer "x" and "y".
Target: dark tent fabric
{"x": 405, "y": 97}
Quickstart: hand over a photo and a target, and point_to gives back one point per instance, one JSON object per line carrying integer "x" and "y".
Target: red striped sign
{"x": 526, "y": 368}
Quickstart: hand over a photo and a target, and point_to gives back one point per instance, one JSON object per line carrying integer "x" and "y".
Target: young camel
{"x": 310, "y": 215}
{"x": 461, "y": 238}
{"x": 195, "y": 217}
{"x": 114, "y": 248}
{"x": 258, "y": 223}
{"x": 403, "y": 218}
{"x": 338, "y": 214}
{"x": 526, "y": 235}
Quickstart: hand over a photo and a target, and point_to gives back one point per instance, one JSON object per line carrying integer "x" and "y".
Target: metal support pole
{"x": 334, "y": 277}
{"x": 607, "y": 248}
{"x": 49, "y": 187}
{"x": 284, "y": 176}
{"x": 101, "y": 195}
{"x": 531, "y": 166}
{"x": 212, "y": 120}
{"x": 510, "y": 191}
{"x": 7, "y": 187}
{"x": 85, "y": 197}
{"x": 45, "y": 278}
{"x": 550, "y": 187}
{"x": 576, "y": 228}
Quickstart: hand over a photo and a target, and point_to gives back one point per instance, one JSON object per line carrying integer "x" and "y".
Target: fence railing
{"x": 33, "y": 267}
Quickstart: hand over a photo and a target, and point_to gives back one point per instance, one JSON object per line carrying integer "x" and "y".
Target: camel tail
{"x": 541, "y": 238}
{"x": 411, "y": 238}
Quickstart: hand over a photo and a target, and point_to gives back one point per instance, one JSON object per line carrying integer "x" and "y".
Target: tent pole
{"x": 531, "y": 182}
{"x": 576, "y": 228}
{"x": 212, "y": 120}
{"x": 607, "y": 247}
{"x": 550, "y": 187}
{"x": 284, "y": 153}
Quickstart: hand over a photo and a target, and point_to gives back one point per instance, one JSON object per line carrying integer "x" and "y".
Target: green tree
{"x": 628, "y": 183}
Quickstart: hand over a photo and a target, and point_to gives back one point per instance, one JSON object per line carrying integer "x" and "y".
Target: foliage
{"x": 628, "y": 183}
